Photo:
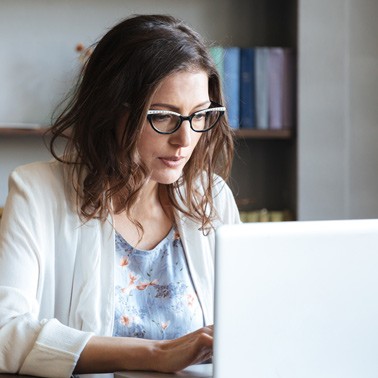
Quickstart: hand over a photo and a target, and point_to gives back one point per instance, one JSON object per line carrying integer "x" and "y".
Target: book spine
{"x": 247, "y": 88}
{"x": 261, "y": 87}
{"x": 232, "y": 84}
{"x": 276, "y": 87}
{"x": 280, "y": 88}
{"x": 217, "y": 54}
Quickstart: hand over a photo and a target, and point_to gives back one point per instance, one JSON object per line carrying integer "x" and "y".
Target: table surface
{"x": 191, "y": 371}
{"x": 15, "y": 375}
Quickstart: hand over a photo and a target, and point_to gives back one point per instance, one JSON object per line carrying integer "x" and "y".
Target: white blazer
{"x": 56, "y": 273}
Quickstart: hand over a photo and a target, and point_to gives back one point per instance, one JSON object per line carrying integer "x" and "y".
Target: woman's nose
{"x": 183, "y": 136}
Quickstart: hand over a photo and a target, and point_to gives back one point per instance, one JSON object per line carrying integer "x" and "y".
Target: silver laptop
{"x": 294, "y": 300}
{"x": 297, "y": 300}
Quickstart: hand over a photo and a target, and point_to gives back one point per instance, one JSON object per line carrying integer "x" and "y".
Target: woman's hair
{"x": 122, "y": 74}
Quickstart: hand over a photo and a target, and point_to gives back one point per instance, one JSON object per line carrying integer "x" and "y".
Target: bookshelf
{"x": 264, "y": 170}
{"x": 264, "y": 176}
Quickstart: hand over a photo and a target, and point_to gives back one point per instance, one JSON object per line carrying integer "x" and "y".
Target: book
{"x": 217, "y": 54}
{"x": 264, "y": 215}
{"x": 262, "y": 87}
{"x": 281, "y": 76}
{"x": 247, "y": 88}
{"x": 231, "y": 84}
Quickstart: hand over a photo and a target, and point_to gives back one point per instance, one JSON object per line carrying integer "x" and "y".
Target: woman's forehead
{"x": 182, "y": 87}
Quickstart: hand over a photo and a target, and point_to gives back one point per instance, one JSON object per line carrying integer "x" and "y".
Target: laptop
{"x": 297, "y": 300}
{"x": 294, "y": 300}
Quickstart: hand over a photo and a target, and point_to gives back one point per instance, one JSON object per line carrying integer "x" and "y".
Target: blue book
{"x": 217, "y": 53}
{"x": 247, "y": 88}
{"x": 262, "y": 87}
{"x": 231, "y": 84}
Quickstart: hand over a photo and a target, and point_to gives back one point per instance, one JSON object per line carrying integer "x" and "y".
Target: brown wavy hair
{"x": 126, "y": 67}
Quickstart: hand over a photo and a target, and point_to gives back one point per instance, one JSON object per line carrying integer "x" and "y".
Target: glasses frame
{"x": 213, "y": 106}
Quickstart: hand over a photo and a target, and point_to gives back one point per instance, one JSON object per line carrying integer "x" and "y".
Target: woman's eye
{"x": 199, "y": 116}
{"x": 162, "y": 117}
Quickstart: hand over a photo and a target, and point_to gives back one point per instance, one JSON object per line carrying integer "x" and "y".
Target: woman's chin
{"x": 167, "y": 179}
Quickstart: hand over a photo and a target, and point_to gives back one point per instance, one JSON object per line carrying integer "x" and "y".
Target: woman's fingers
{"x": 187, "y": 350}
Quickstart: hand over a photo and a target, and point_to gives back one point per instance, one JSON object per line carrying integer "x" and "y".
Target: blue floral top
{"x": 154, "y": 293}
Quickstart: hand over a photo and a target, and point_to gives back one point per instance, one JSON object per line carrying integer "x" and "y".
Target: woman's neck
{"x": 152, "y": 211}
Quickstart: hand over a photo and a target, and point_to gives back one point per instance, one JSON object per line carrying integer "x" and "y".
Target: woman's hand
{"x": 109, "y": 354}
{"x": 194, "y": 348}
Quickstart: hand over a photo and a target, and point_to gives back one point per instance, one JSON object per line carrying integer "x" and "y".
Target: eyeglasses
{"x": 167, "y": 122}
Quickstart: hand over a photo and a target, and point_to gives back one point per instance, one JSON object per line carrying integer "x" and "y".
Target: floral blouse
{"x": 154, "y": 293}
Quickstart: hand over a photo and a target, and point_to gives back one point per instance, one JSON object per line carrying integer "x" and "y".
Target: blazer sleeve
{"x": 29, "y": 345}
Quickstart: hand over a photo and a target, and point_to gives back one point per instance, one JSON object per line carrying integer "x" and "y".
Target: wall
{"x": 38, "y": 61}
{"x": 338, "y": 112}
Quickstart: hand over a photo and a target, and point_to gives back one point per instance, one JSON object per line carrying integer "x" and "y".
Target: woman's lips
{"x": 172, "y": 161}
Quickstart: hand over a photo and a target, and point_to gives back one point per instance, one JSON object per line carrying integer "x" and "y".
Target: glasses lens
{"x": 164, "y": 122}
{"x": 205, "y": 119}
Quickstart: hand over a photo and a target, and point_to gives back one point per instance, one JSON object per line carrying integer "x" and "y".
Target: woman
{"x": 116, "y": 236}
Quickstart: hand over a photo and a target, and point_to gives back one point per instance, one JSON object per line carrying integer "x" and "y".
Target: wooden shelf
{"x": 264, "y": 134}
{"x": 9, "y": 131}
{"x": 246, "y": 134}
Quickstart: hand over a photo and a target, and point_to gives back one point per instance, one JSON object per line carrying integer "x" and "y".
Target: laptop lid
{"x": 297, "y": 299}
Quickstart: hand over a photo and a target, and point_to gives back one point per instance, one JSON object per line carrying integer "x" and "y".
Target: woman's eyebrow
{"x": 163, "y": 105}
{"x": 175, "y": 108}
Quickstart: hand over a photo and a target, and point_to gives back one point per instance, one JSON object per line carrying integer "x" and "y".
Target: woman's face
{"x": 165, "y": 155}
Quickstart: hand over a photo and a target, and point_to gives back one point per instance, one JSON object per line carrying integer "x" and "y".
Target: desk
{"x": 203, "y": 370}
{"x": 14, "y": 376}
{"x": 108, "y": 375}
